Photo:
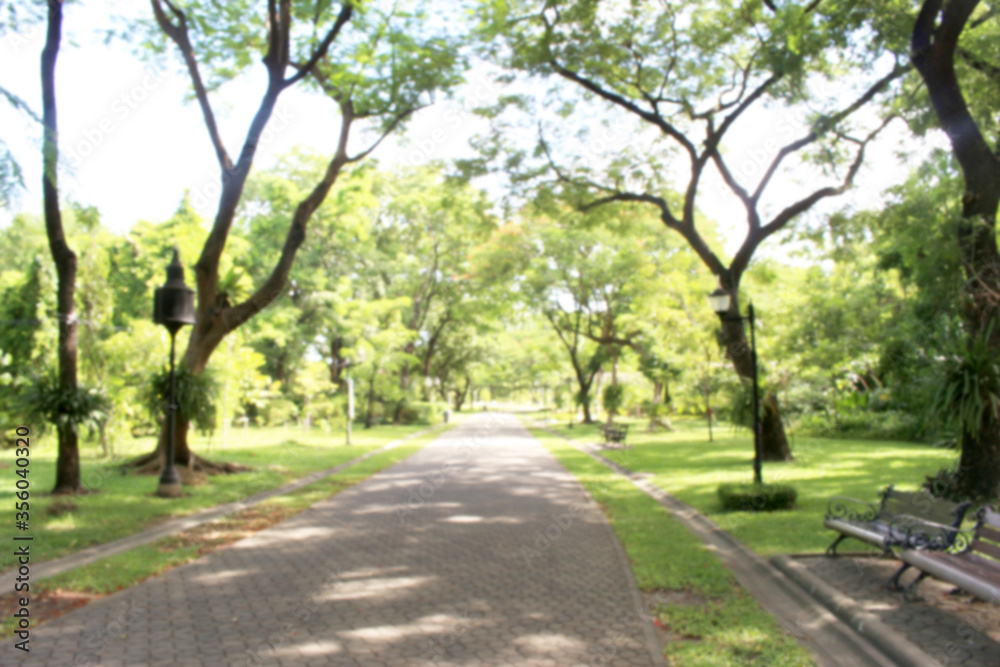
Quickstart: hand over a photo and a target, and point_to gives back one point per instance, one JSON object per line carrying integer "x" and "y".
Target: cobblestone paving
{"x": 949, "y": 637}
{"x": 478, "y": 550}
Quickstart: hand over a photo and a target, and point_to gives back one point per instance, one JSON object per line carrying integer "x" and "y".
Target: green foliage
{"x": 327, "y": 409}
{"x": 195, "y": 396}
{"x": 612, "y": 398}
{"x": 969, "y": 392}
{"x": 50, "y": 403}
{"x": 756, "y": 497}
{"x": 280, "y": 411}
{"x": 863, "y": 425}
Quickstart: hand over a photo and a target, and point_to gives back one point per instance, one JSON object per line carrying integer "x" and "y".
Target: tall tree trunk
{"x": 337, "y": 363}
{"x": 68, "y": 460}
{"x": 460, "y": 395}
{"x": 774, "y": 442}
{"x": 934, "y": 41}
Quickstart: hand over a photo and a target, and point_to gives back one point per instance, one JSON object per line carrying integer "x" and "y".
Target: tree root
{"x": 149, "y": 464}
{"x": 655, "y": 424}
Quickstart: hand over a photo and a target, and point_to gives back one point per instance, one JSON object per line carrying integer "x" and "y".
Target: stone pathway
{"x": 953, "y": 630}
{"x": 478, "y": 550}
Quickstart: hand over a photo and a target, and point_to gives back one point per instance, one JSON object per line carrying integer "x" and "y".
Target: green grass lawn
{"x": 711, "y": 621}
{"x": 691, "y": 468}
{"x": 122, "y": 505}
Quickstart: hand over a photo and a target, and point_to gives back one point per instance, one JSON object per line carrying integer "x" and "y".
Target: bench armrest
{"x": 851, "y": 509}
{"x": 913, "y": 532}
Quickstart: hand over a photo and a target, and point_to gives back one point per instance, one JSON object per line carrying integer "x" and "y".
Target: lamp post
{"x": 720, "y": 300}
{"x": 173, "y": 307}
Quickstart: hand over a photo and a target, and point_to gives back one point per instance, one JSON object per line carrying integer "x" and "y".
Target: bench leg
{"x": 893, "y": 584}
{"x": 910, "y": 592}
{"x": 832, "y": 549}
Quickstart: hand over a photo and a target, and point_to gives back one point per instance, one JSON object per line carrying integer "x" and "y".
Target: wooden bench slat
{"x": 989, "y": 533}
{"x": 948, "y": 565}
{"x": 988, "y": 548}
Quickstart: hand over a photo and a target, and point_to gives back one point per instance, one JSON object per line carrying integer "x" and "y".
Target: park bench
{"x": 874, "y": 524}
{"x": 614, "y": 433}
{"x": 971, "y": 561}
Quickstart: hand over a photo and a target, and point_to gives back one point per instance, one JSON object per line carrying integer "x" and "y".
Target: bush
{"x": 328, "y": 410}
{"x": 756, "y": 498}
{"x": 279, "y": 410}
{"x": 423, "y": 412}
{"x": 613, "y": 397}
{"x": 863, "y": 425}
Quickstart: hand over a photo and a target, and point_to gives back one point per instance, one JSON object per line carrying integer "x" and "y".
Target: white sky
{"x": 135, "y": 145}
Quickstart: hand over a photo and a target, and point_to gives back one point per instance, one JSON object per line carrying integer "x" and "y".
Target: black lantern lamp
{"x": 721, "y": 301}
{"x": 173, "y": 307}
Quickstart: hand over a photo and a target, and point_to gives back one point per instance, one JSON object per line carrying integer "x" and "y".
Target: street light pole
{"x": 721, "y": 300}
{"x": 170, "y": 481}
{"x": 173, "y": 307}
{"x": 756, "y": 408}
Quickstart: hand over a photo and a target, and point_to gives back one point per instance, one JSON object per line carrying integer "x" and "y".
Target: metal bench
{"x": 615, "y": 433}
{"x": 971, "y": 562}
{"x": 873, "y": 524}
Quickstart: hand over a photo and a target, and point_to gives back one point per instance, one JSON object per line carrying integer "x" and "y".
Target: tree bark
{"x": 774, "y": 442}
{"x": 460, "y": 395}
{"x": 337, "y": 363}
{"x": 934, "y": 42}
{"x": 68, "y": 459}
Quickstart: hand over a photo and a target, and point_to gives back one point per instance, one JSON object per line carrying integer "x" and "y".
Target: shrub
{"x": 423, "y": 412}
{"x": 279, "y": 411}
{"x": 612, "y": 398}
{"x": 46, "y": 402}
{"x": 328, "y": 410}
{"x": 863, "y": 425}
{"x": 756, "y": 498}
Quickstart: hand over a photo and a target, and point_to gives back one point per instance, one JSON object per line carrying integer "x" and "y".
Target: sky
{"x": 132, "y": 144}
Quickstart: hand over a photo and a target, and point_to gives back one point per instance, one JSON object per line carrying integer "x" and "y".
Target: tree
{"x": 683, "y": 75}
{"x": 943, "y": 31}
{"x": 590, "y": 277}
{"x": 68, "y": 459}
{"x": 377, "y": 67}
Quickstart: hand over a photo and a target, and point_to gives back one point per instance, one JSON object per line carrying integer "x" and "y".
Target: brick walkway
{"x": 949, "y": 637}
{"x": 478, "y": 550}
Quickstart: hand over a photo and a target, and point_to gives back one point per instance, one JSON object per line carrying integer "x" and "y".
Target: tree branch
{"x": 989, "y": 69}
{"x": 616, "y": 99}
{"x": 346, "y": 11}
{"x": 397, "y": 119}
{"x": 275, "y": 283}
{"x": 179, "y": 35}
